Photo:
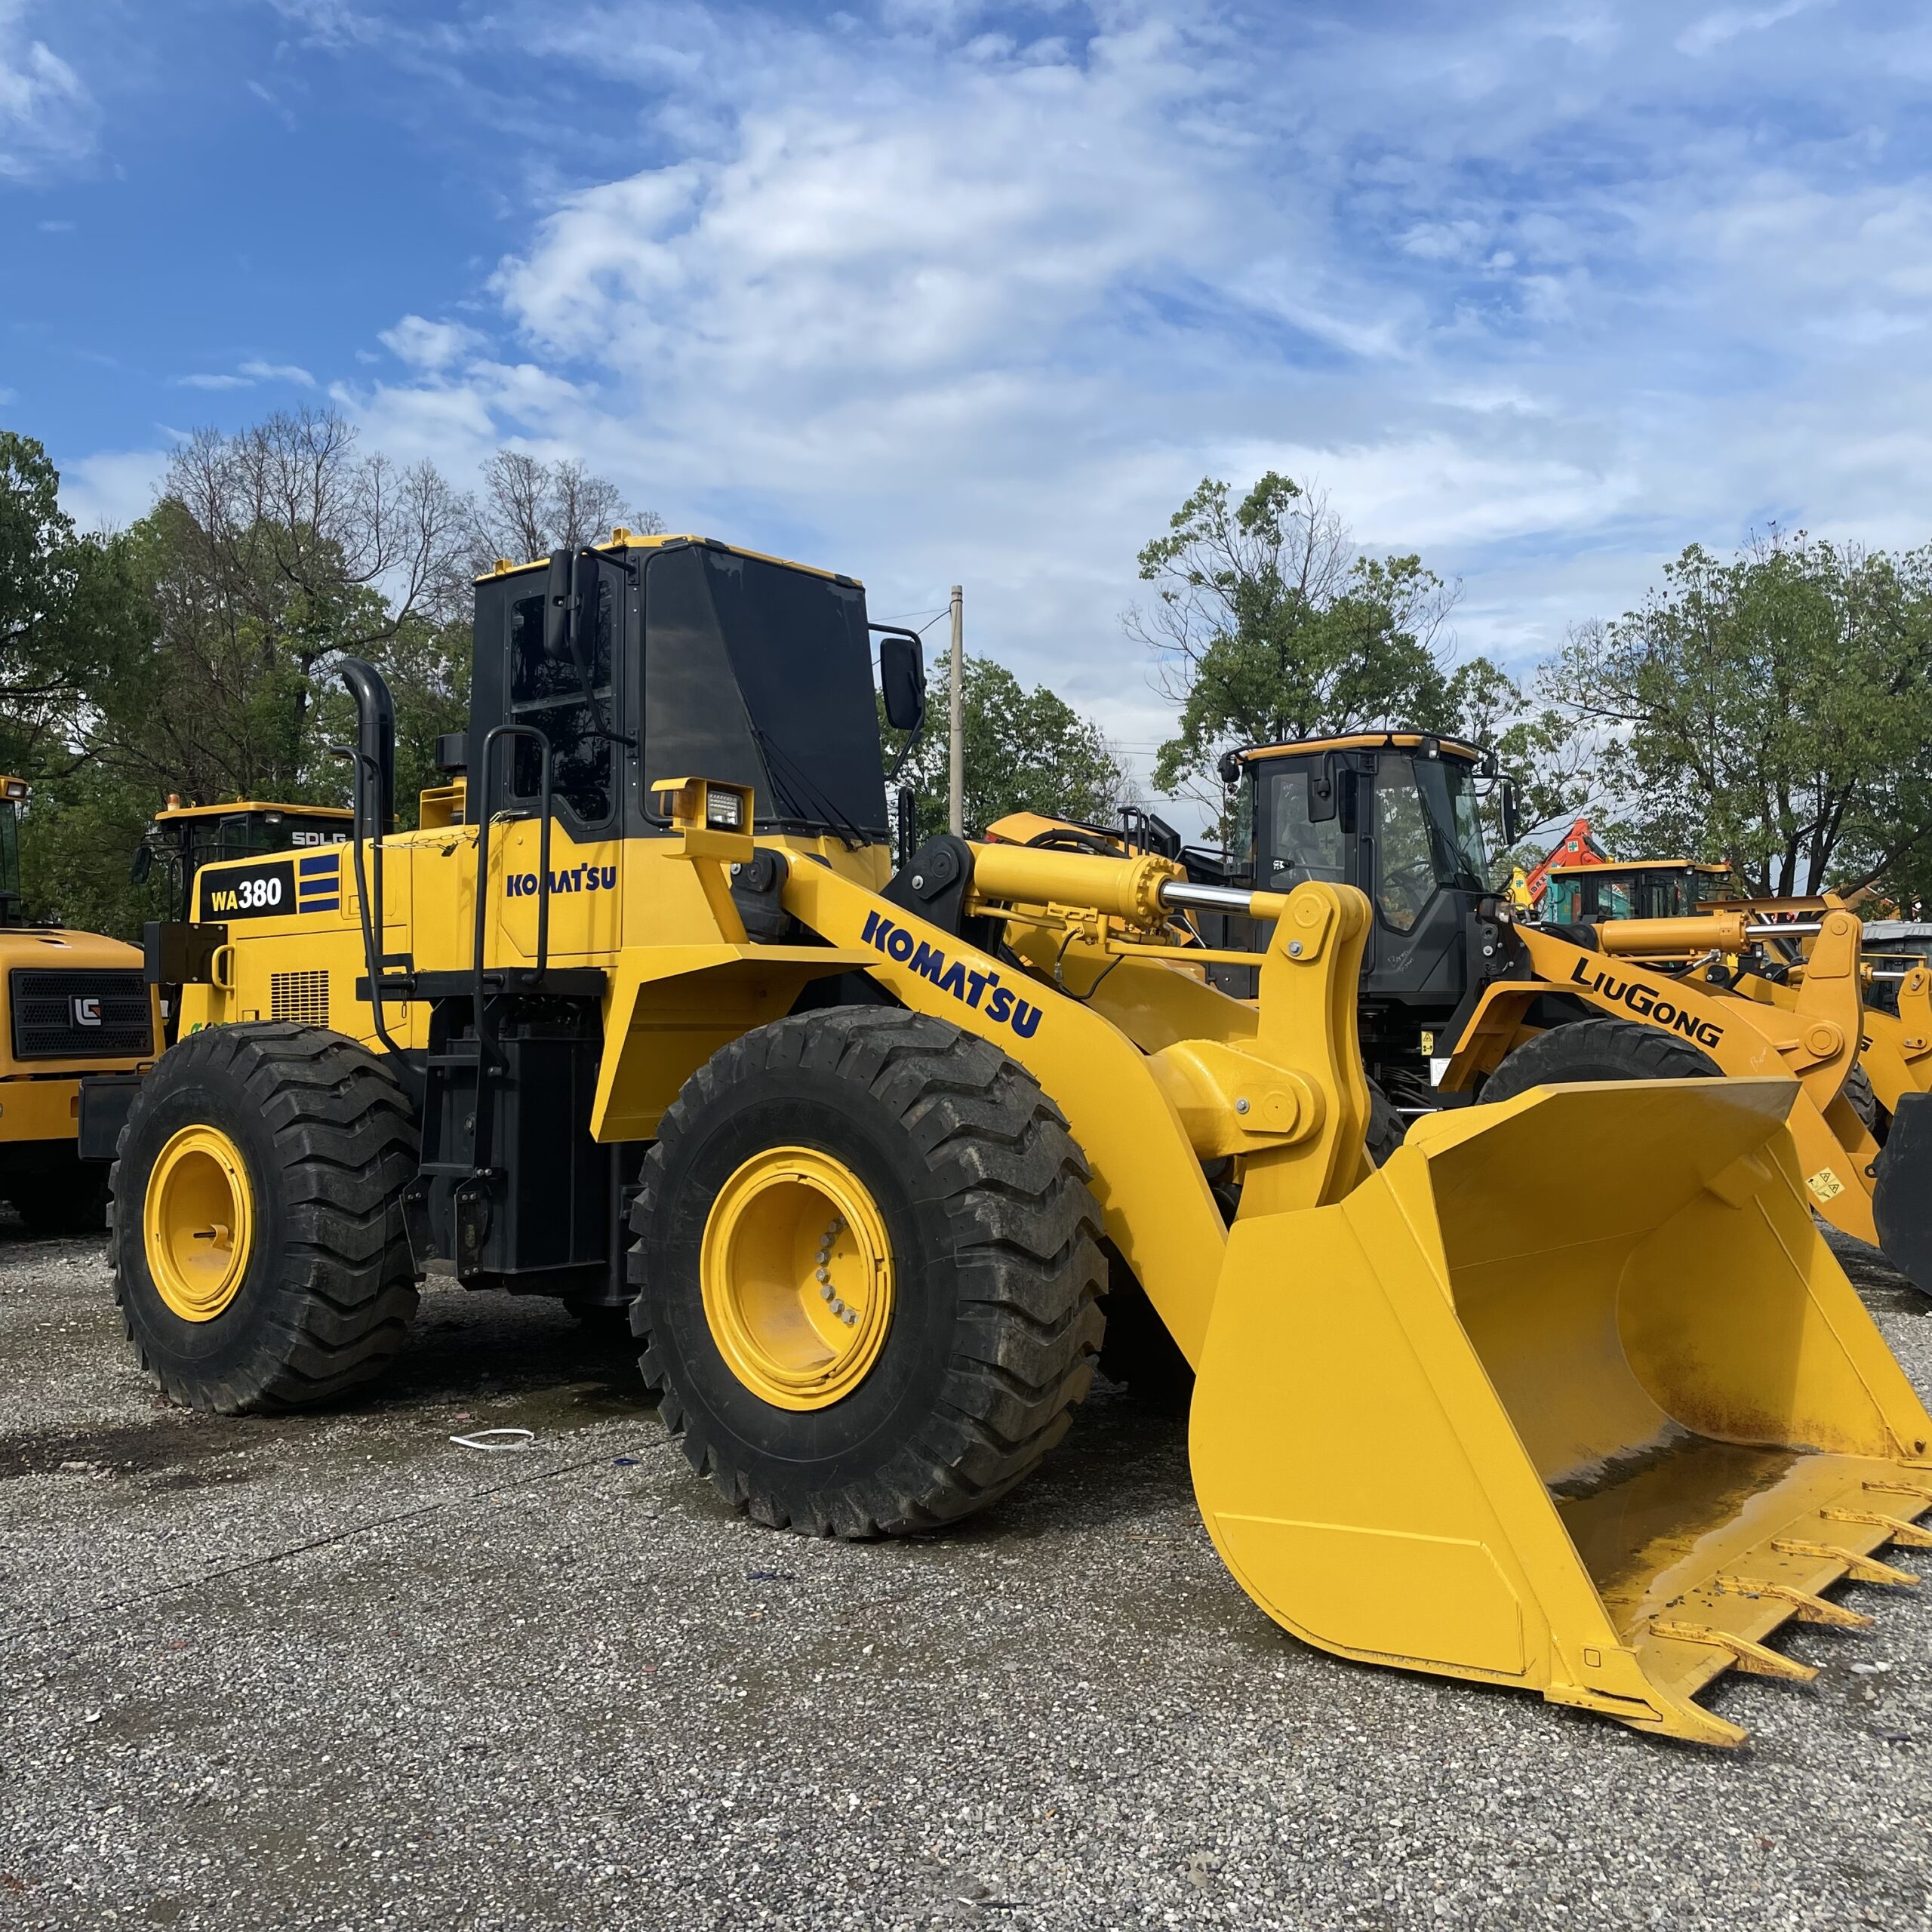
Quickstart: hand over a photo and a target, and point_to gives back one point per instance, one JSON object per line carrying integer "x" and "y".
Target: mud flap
{"x": 1600, "y": 1451}
{"x": 1902, "y": 1200}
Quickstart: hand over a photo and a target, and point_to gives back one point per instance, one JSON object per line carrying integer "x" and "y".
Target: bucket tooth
{"x": 1860, "y": 1569}
{"x": 1892, "y": 1486}
{"x": 1745, "y": 1655}
{"x": 1909, "y": 1534}
{"x": 1806, "y": 1608}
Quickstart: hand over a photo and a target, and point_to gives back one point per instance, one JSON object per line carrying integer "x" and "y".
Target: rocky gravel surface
{"x": 336, "y": 1672}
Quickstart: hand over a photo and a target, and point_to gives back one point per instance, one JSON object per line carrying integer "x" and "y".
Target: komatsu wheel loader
{"x": 1462, "y": 998}
{"x": 182, "y": 839}
{"x": 75, "y": 1004}
{"x": 644, "y": 1014}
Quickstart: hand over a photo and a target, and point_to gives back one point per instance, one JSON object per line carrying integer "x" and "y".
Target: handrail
{"x": 486, "y": 1046}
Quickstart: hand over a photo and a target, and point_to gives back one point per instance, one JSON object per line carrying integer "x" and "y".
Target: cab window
{"x": 1299, "y": 848}
{"x": 1405, "y": 850}
{"x": 546, "y": 692}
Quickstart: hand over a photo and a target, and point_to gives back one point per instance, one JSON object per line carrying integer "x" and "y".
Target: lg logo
{"x": 86, "y": 1009}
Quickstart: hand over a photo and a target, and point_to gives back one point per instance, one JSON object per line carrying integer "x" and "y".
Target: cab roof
{"x": 170, "y": 813}
{"x": 1399, "y": 741}
{"x": 621, "y": 539}
{"x": 1613, "y": 865}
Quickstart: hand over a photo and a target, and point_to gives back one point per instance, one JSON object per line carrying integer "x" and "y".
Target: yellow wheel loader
{"x": 1890, "y": 1089}
{"x": 181, "y": 839}
{"x": 1464, "y": 999}
{"x": 645, "y": 1014}
{"x": 75, "y": 1005}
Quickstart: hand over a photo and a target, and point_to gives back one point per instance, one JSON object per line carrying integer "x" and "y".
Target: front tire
{"x": 259, "y": 1257}
{"x": 868, "y": 1265}
{"x": 1594, "y": 1049}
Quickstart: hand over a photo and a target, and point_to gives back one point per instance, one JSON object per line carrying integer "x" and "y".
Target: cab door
{"x": 585, "y": 734}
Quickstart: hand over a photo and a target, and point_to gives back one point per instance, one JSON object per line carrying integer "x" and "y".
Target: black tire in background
{"x": 1605, "y": 1049}
{"x": 328, "y": 1141}
{"x": 1859, "y": 1097}
{"x": 70, "y": 1200}
{"x": 994, "y": 1237}
{"x": 1386, "y": 1126}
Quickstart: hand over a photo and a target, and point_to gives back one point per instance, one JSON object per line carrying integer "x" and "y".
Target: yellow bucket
{"x": 1570, "y": 1395}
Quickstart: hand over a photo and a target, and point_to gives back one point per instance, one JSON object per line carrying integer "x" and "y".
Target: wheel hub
{"x": 797, "y": 1278}
{"x": 197, "y": 1222}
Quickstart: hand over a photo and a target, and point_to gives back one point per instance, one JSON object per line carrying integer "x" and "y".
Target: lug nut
{"x": 825, "y": 1293}
{"x": 824, "y": 1275}
{"x": 850, "y": 1317}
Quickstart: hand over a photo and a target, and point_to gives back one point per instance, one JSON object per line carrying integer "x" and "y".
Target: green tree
{"x": 197, "y": 652}
{"x": 1025, "y": 751}
{"x": 1771, "y": 711}
{"x": 71, "y": 609}
{"x": 1266, "y": 626}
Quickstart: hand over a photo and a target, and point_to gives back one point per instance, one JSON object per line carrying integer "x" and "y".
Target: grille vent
{"x": 302, "y": 997}
{"x": 79, "y": 1014}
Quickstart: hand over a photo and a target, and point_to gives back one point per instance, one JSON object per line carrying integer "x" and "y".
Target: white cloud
{"x": 1525, "y": 288}
{"x": 214, "y": 382}
{"x": 429, "y": 346}
{"x": 48, "y": 118}
{"x": 1713, "y": 30}
{"x": 278, "y": 372}
{"x": 110, "y": 490}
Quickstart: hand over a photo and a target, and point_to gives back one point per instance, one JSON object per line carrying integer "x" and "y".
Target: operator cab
{"x": 1397, "y": 814}
{"x": 649, "y": 658}
{"x": 185, "y": 837}
{"x": 1644, "y": 889}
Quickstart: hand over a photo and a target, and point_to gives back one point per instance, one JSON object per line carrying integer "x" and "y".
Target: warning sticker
{"x": 1825, "y": 1184}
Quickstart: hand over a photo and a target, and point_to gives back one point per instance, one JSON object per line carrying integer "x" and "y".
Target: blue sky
{"x": 926, "y": 291}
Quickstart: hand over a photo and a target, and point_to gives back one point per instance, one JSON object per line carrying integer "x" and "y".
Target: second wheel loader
{"x": 1464, "y": 999}
{"x": 645, "y": 1015}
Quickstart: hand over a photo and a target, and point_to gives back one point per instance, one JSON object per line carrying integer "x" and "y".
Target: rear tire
{"x": 1604, "y": 1049}
{"x": 326, "y": 1141}
{"x": 993, "y": 1240}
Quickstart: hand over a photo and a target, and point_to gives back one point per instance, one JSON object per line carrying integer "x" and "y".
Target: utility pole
{"x": 956, "y": 807}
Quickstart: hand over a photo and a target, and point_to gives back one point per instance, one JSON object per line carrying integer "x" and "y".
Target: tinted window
{"x": 548, "y": 692}
{"x": 761, "y": 674}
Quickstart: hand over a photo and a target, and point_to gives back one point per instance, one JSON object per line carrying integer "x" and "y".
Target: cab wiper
{"x": 815, "y": 804}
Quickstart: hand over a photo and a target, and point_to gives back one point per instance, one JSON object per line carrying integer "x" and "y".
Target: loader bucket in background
{"x": 1601, "y": 1451}
{"x": 1901, "y": 1197}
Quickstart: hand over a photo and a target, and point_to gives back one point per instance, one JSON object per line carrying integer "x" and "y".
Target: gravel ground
{"x": 334, "y": 1671}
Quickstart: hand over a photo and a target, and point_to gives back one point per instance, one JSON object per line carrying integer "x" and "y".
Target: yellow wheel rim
{"x": 797, "y": 1278}
{"x": 198, "y": 1222}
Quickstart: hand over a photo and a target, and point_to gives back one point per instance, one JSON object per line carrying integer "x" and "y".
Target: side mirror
{"x": 586, "y": 600}
{"x": 557, "y": 606}
{"x": 1324, "y": 791}
{"x": 140, "y": 865}
{"x": 902, "y": 682}
{"x": 1511, "y": 816}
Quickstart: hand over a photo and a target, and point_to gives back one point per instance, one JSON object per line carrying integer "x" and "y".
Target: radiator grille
{"x": 302, "y": 997}
{"x": 79, "y": 1014}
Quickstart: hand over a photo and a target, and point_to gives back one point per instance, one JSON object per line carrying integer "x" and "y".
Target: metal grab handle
{"x": 486, "y": 1046}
